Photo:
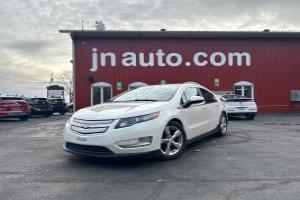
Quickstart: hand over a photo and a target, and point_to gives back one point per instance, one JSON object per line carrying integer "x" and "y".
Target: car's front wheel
{"x": 24, "y": 118}
{"x": 173, "y": 141}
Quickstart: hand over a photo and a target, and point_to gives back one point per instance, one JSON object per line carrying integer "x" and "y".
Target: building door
{"x": 100, "y": 92}
{"x": 244, "y": 88}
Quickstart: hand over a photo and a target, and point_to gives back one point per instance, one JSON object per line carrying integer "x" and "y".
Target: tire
{"x": 62, "y": 113}
{"x": 250, "y": 116}
{"x": 46, "y": 115}
{"x": 173, "y": 141}
{"x": 222, "y": 127}
{"x": 24, "y": 118}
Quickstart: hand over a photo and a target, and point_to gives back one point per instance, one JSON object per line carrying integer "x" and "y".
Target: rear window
{"x": 11, "y": 99}
{"x": 38, "y": 100}
{"x": 56, "y": 100}
{"x": 235, "y": 98}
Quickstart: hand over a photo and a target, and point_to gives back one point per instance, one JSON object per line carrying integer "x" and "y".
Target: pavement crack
{"x": 158, "y": 189}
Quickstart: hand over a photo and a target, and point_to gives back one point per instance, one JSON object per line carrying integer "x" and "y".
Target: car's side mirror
{"x": 194, "y": 100}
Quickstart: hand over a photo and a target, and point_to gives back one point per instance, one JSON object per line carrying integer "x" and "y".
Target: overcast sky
{"x": 31, "y": 47}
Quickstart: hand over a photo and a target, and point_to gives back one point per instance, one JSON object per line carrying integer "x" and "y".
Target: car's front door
{"x": 194, "y": 116}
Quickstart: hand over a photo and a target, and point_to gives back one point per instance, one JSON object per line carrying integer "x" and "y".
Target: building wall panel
{"x": 274, "y": 71}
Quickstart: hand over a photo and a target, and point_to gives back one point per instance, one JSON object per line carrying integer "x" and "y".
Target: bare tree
{"x": 65, "y": 78}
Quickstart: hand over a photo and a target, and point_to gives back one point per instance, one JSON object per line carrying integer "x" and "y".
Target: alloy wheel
{"x": 172, "y": 141}
{"x": 223, "y": 125}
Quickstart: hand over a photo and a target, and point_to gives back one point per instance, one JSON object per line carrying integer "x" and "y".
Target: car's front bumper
{"x": 80, "y": 150}
{"x": 13, "y": 114}
{"x": 39, "y": 111}
{"x": 111, "y": 139}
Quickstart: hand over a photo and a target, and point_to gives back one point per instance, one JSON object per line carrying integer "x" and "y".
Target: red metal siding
{"x": 274, "y": 70}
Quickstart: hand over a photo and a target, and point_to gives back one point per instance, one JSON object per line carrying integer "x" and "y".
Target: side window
{"x": 188, "y": 93}
{"x": 208, "y": 96}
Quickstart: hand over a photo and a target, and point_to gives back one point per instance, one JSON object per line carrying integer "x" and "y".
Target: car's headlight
{"x": 68, "y": 124}
{"x": 125, "y": 122}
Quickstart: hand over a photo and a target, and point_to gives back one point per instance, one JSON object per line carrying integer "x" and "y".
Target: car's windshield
{"x": 38, "y": 100}
{"x": 149, "y": 93}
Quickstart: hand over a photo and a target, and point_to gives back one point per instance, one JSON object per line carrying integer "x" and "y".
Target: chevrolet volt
{"x": 159, "y": 120}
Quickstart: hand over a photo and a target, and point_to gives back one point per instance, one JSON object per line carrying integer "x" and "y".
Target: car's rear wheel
{"x": 250, "y": 116}
{"x": 173, "y": 141}
{"x": 222, "y": 127}
{"x": 24, "y": 118}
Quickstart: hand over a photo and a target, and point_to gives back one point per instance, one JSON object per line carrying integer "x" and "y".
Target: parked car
{"x": 237, "y": 105}
{"x": 59, "y": 105}
{"x": 14, "y": 107}
{"x": 40, "y": 106}
{"x": 158, "y": 120}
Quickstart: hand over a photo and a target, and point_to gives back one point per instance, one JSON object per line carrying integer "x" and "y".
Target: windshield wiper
{"x": 144, "y": 100}
{"x": 136, "y": 100}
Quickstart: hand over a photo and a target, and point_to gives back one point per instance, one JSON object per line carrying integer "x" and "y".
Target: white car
{"x": 237, "y": 105}
{"x": 157, "y": 120}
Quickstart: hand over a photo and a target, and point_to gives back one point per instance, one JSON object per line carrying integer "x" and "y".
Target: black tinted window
{"x": 208, "y": 96}
{"x": 7, "y": 99}
{"x": 39, "y": 100}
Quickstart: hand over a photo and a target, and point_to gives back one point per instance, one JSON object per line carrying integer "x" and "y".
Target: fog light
{"x": 136, "y": 142}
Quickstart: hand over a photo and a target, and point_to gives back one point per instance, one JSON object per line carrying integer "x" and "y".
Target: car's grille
{"x": 90, "y": 126}
{"x": 88, "y": 149}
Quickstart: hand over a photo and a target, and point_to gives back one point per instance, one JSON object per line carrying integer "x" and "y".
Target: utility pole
{"x": 51, "y": 79}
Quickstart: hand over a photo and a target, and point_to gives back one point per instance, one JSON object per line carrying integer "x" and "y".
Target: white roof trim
{"x": 101, "y": 84}
{"x": 243, "y": 83}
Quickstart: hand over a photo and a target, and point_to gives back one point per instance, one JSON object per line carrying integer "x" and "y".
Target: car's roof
{"x": 177, "y": 84}
{"x": 182, "y": 85}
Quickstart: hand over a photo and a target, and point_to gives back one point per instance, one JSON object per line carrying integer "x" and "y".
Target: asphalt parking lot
{"x": 258, "y": 159}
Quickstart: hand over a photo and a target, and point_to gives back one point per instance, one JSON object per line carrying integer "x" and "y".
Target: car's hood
{"x": 116, "y": 110}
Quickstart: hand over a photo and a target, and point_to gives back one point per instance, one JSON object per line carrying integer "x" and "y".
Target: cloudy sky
{"x": 31, "y": 47}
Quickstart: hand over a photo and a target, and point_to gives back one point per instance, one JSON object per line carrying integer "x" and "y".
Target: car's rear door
{"x": 212, "y": 108}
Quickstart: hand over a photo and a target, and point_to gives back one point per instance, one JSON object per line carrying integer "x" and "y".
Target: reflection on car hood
{"x": 116, "y": 110}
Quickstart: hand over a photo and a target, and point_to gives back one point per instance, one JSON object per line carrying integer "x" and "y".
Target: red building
{"x": 262, "y": 65}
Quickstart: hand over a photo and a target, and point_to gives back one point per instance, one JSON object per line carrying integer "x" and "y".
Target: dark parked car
{"x": 40, "y": 106}
{"x": 59, "y": 105}
{"x": 14, "y": 107}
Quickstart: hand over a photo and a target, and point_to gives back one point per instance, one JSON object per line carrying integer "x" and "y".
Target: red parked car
{"x": 14, "y": 107}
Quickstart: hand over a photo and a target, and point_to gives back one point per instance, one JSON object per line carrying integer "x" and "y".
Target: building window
{"x": 100, "y": 92}
{"x": 244, "y": 88}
